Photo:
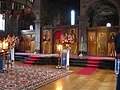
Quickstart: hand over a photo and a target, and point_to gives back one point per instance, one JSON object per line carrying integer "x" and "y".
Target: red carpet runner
{"x": 91, "y": 66}
{"x": 34, "y": 57}
{"x": 86, "y": 71}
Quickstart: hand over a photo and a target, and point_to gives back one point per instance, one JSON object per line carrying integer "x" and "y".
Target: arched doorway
{"x": 57, "y": 35}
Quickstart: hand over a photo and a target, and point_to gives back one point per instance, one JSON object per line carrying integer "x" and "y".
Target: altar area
{"x": 100, "y": 40}
{"x": 74, "y": 60}
{"x": 50, "y": 37}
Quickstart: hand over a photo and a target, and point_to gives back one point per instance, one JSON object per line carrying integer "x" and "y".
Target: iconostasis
{"x": 46, "y": 41}
{"x": 27, "y": 41}
{"x": 101, "y": 41}
{"x": 50, "y": 38}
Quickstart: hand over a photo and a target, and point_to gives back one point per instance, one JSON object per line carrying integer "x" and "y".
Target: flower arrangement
{"x": 67, "y": 39}
{"x": 12, "y": 41}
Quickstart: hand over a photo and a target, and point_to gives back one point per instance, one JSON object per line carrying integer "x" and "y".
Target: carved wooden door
{"x": 92, "y": 43}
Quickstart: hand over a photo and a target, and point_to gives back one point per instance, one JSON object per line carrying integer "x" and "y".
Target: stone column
{"x": 83, "y": 24}
{"x": 37, "y": 12}
{"x": 37, "y": 36}
{"x": 83, "y": 33}
{"x": 18, "y": 31}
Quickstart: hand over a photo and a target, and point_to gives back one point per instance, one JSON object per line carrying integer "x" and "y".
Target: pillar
{"x": 37, "y": 36}
{"x": 83, "y": 33}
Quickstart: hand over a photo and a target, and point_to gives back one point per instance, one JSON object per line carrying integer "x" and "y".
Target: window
{"x": 72, "y": 17}
{"x": 2, "y": 22}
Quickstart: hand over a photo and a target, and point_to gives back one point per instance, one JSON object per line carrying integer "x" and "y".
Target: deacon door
{"x": 102, "y": 44}
{"x": 92, "y": 43}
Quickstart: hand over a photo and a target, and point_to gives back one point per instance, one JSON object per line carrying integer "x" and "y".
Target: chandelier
{"x": 16, "y": 7}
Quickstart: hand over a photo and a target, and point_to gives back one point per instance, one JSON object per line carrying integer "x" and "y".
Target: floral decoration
{"x": 12, "y": 41}
{"x": 67, "y": 39}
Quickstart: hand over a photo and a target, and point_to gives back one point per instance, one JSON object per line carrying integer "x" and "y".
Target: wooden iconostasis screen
{"x": 101, "y": 42}
{"x": 92, "y": 43}
{"x": 46, "y": 41}
{"x": 66, "y": 37}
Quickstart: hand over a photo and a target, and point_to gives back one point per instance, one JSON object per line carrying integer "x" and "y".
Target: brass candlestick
{"x": 59, "y": 49}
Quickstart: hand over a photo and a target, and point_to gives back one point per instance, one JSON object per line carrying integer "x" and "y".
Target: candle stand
{"x": 59, "y": 49}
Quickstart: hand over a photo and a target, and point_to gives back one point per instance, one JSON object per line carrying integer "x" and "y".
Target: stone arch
{"x": 91, "y": 3}
{"x": 84, "y": 7}
{"x": 101, "y": 13}
{"x": 114, "y": 2}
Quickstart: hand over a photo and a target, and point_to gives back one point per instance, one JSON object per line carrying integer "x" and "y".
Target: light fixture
{"x": 108, "y": 24}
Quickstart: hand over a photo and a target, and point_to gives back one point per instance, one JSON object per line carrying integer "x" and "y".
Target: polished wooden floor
{"x": 99, "y": 80}
{"x": 102, "y": 79}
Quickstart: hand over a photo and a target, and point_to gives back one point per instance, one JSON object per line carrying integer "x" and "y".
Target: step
{"x": 28, "y": 62}
{"x": 92, "y": 65}
{"x": 93, "y": 62}
{"x": 31, "y": 59}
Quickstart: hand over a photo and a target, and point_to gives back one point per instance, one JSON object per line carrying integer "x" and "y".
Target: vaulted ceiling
{"x": 101, "y": 13}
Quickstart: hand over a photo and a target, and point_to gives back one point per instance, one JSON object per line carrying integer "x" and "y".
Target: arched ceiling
{"x": 102, "y": 12}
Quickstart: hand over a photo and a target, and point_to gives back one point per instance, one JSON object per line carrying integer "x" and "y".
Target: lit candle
{"x": 59, "y": 47}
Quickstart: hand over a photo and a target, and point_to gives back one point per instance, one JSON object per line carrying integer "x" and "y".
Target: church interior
{"x": 58, "y": 44}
